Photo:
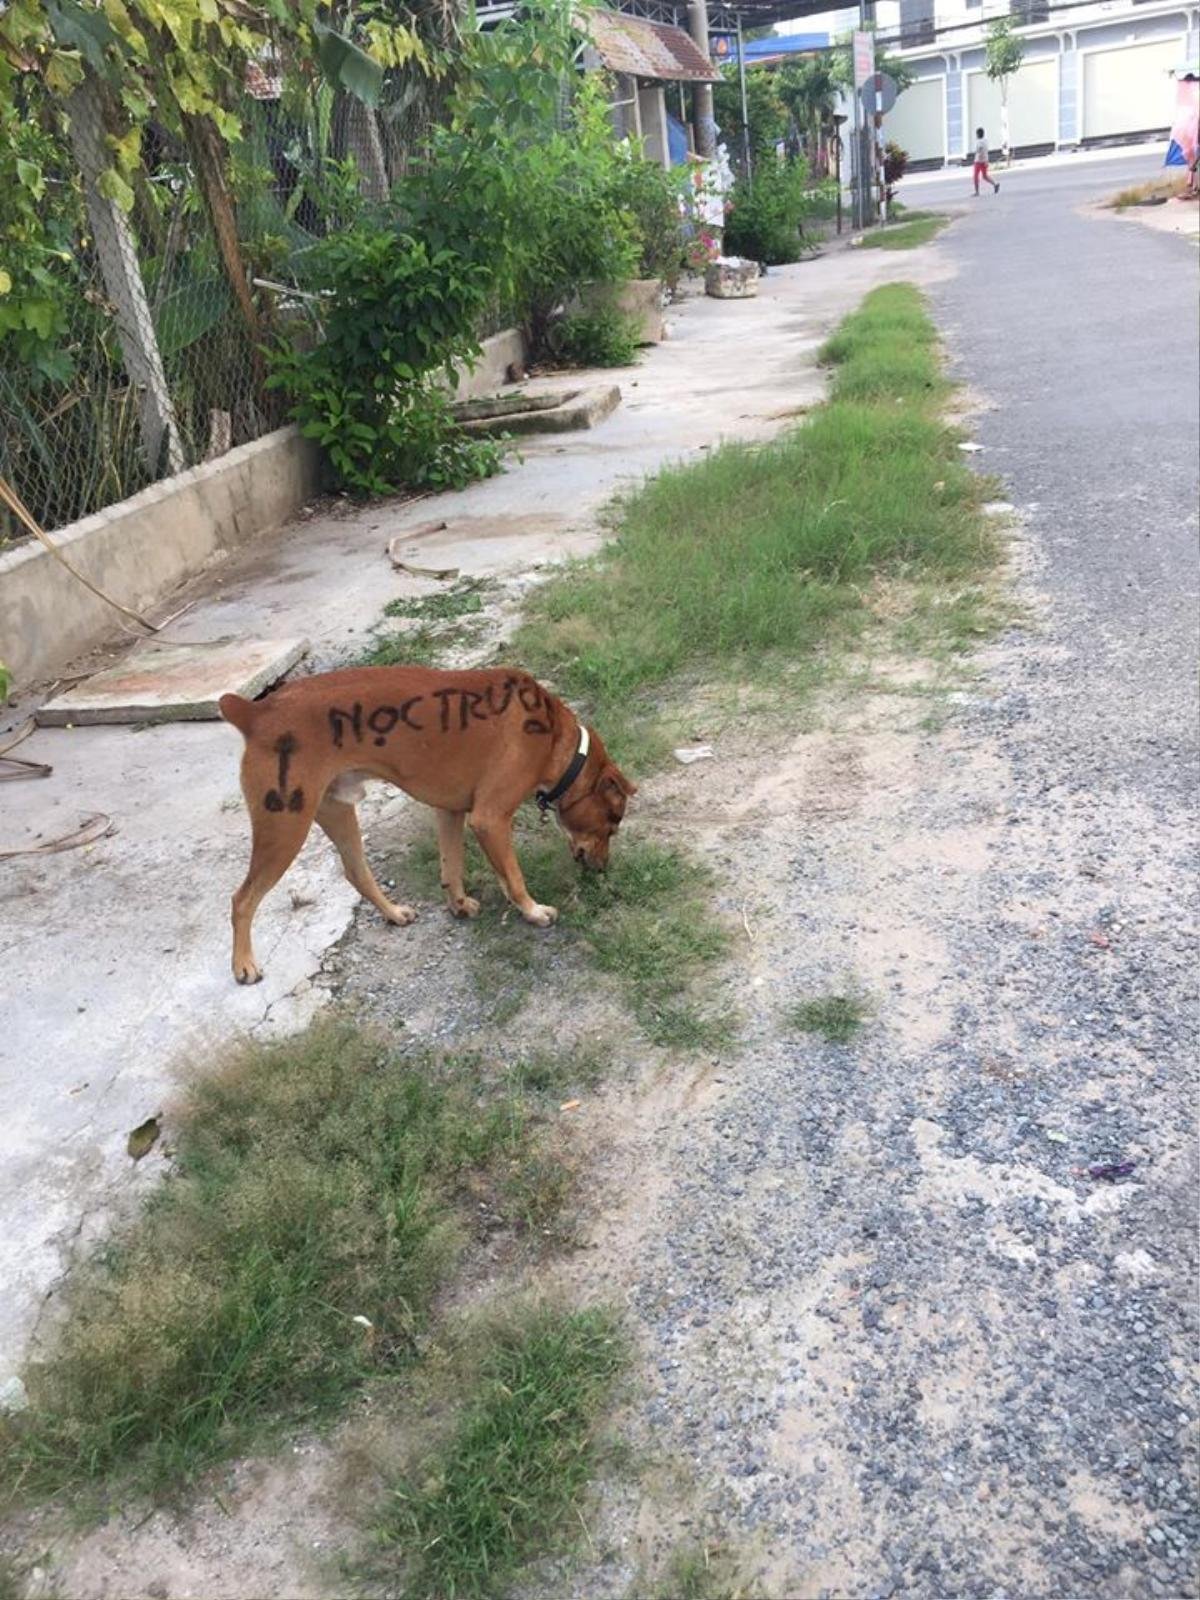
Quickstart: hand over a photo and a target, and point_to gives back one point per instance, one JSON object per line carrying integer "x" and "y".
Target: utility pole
{"x": 703, "y": 125}
{"x": 745, "y": 109}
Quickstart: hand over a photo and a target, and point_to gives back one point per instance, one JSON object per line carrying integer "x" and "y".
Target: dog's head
{"x": 591, "y": 821}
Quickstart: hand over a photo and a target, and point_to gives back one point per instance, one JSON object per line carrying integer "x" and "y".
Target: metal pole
{"x": 745, "y": 108}
{"x": 837, "y": 172}
{"x": 702, "y": 95}
{"x": 860, "y": 188}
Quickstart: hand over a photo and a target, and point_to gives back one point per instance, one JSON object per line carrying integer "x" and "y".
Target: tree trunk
{"x": 116, "y": 250}
{"x": 1004, "y": 145}
{"x": 209, "y": 154}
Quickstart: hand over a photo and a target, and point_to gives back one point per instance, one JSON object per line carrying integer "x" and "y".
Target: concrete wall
{"x": 917, "y": 122}
{"x": 143, "y": 548}
{"x": 1032, "y": 106}
{"x": 501, "y": 351}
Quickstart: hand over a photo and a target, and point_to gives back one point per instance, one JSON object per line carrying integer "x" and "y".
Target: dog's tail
{"x": 238, "y": 711}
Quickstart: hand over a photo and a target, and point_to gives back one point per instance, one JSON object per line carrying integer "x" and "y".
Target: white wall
{"x": 1032, "y": 105}
{"x": 917, "y": 122}
{"x": 1129, "y": 89}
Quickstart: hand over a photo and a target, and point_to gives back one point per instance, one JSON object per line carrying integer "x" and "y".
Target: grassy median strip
{"x": 506, "y": 1483}
{"x": 916, "y": 228}
{"x": 759, "y": 556}
{"x": 313, "y": 1210}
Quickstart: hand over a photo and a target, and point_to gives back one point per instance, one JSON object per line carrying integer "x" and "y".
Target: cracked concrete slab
{"x": 161, "y": 680}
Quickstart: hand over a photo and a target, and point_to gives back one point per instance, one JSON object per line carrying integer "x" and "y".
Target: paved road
{"x": 1082, "y": 332}
{"x": 908, "y": 1341}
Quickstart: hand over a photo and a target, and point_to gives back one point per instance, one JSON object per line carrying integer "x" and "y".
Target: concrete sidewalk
{"x": 116, "y": 959}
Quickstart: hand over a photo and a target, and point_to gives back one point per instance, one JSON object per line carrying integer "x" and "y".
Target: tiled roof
{"x": 646, "y": 49}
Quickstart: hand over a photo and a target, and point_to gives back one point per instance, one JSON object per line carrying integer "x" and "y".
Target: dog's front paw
{"x": 247, "y": 972}
{"x": 401, "y": 916}
{"x": 464, "y": 906}
{"x": 541, "y": 916}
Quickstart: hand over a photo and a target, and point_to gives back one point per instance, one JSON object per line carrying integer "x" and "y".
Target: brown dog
{"x": 471, "y": 744}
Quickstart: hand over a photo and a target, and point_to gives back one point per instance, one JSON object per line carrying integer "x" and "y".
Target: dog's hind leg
{"x": 277, "y": 839}
{"x": 450, "y": 848}
{"x": 340, "y": 821}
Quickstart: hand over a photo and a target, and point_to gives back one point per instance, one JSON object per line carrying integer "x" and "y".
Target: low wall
{"x": 503, "y": 350}
{"x": 143, "y": 548}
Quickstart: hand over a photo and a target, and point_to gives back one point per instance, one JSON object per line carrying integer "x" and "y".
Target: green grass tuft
{"x": 463, "y": 600}
{"x": 837, "y": 1016}
{"x": 918, "y": 228}
{"x": 764, "y": 554}
{"x": 646, "y": 922}
{"x": 514, "y": 1470}
{"x": 697, "y": 1572}
{"x": 317, "y": 1181}
{"x": 427, "y": 644}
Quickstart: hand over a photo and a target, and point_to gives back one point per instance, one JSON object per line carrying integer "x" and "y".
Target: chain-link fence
{"x": 150, "y": 357}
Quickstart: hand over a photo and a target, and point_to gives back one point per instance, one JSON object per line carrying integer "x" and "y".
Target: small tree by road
{"x": 1005, "y": 52}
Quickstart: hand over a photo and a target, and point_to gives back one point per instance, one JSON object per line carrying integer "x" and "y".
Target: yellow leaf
{"x": 5, "y": 281}
{"x": 63, "y": 73}
{"x": 128, "y": 150}
{"x": 114, "y": 187}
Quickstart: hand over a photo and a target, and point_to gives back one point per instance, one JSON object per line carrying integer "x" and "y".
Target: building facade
{"x": 1094, "y": 73}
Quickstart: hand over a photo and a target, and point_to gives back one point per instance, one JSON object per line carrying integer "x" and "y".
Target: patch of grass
{"x": 837, "y": 1016}
{"x": 438, "y": 624}
{"x": 428, "y": 644}
{"x": 317, "y": 1182}
{"x": 11, "y": 1584}
{"x": 551, "y": 1072}
{"x": 464, "y": 599}
{"x": 757, "y": 556}
{"x": 646, "y": 922}
{"x": 697, "y": 1572}
{"x": 512, "y": 1474}
{"x": 918, "y": 228}
{"x": 1155, "y": 189}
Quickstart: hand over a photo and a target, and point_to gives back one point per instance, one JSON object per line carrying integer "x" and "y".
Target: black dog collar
{"x": 547, "y": 797}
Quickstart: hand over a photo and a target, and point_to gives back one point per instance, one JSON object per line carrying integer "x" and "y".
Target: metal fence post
{"x": 116, "y": 251}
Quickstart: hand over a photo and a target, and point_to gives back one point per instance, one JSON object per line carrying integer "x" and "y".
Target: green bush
{"x": 524, "y": 180}
{"x": 604, "y": 337}
{"x": 374, "y": 392}
{"x": 767, "y": 211}
{"x": 650, "y": 195}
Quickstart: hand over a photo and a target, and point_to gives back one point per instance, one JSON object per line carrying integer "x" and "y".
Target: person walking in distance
{"x": 981, "y": 162}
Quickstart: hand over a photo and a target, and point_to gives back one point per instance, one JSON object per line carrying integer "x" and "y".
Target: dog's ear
{"x": 613, "y": 778}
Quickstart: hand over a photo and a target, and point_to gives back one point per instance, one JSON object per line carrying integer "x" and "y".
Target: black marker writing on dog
{"x": 530, "y": 697}
{"x": 274, "y": 799}
{"x": 474, "y": 705}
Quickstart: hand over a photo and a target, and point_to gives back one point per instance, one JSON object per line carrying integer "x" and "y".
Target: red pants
{"x": 981, "y": 171}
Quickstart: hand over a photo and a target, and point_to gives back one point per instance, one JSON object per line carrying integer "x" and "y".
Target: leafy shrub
{"x": 373, "y": 393}
{"x": 650, "y": 195}
{"x": 767, "y": 212}
{"x": 524, "y": 180}
{"x": 895, "y": 165}
{"x": 604, "y": 337}
{"x": 768, "y": 114}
